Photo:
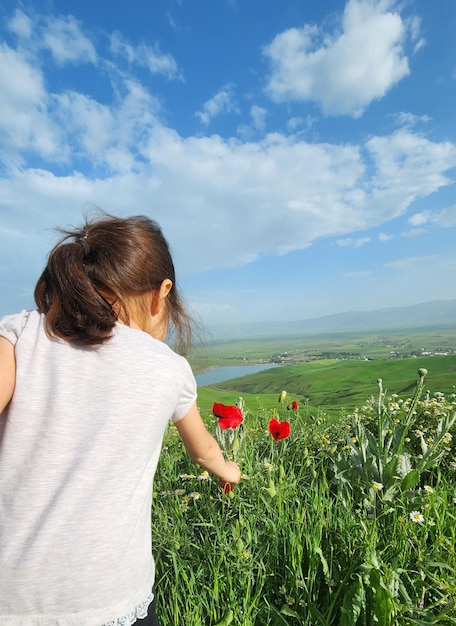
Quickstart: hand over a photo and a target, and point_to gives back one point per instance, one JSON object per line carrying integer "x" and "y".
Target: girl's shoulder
{"x": 12, "y": 326}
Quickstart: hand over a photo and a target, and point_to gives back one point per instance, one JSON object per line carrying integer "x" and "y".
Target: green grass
{"x": 291, "y": 545}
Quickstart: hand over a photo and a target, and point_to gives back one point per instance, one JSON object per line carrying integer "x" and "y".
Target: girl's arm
{"x": 203, "y": 448}
{"x": 7, "y": 372}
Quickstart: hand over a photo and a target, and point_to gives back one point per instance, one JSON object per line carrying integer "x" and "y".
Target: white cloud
{"x": 151, "y": 57}
{"x": 344, "y": 71}
{"x": 25, "y": 124}
{"x": 243, "y": 199}
{"x": 385, "y": 237}
{"x": 413, "y": 262}
{"x": 352, "y": 243}
{"x": 414, "y": 232}
{"x": 64, "y": 38}
{"x": 414, "y": 28}
{"x": 258, "y": 115}
{"x": 223, "y": 102}
{"x": 410, "y": 119}
{"x": 446, "y": 217}
{"x": 21, "y": 24}
{"x": 418, "y": 219}
{"x": 408, "y": 166}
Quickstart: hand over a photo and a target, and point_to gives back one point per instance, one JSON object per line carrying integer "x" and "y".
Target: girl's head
{"x": 112, "y": 269}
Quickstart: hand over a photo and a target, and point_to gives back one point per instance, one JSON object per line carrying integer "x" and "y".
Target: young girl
{"x": 87, "y": 388}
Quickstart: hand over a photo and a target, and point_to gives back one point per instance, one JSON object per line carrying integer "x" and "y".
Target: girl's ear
{"x": 159, "y": 296}
{"x": 165, "y": 287}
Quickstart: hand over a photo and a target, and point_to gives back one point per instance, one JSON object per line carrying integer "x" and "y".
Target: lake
{"x": 227, "y": 372}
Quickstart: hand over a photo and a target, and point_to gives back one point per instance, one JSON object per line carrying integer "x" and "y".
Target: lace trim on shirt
{"x": 140, "y": 612}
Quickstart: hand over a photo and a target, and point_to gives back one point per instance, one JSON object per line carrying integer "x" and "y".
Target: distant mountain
{"x": 436, "y": 313}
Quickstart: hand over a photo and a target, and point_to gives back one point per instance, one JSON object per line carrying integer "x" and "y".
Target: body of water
{"x": 219, "y": 374}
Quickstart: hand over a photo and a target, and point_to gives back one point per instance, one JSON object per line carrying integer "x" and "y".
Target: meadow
{"x": 342, "y": 517}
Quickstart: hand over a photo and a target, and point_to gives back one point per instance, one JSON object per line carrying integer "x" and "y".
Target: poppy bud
{"x": 226, "y": 620}
{"x": 270, "y": 489}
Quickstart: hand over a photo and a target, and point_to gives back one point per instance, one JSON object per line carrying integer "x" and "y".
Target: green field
{"x": 342, "y": 382}
{"x": 335, "y": 384}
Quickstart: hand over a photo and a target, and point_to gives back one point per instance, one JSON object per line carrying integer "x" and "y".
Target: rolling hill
{"x": 436, "y": 313}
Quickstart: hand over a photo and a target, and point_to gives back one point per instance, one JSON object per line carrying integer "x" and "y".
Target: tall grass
{"x": 309, "y": 537}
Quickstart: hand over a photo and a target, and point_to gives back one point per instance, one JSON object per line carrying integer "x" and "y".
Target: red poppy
{"x": 226, "y": 487}
{"x": 294, "y": 405}
{"x": 279, "y": 430}
{"x": 228, "y": 416}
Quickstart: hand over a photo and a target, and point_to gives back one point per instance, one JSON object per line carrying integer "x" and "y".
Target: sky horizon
{"x": 300, "y": 160}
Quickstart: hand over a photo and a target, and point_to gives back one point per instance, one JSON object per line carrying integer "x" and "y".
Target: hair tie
{"x": 85, "y": 246}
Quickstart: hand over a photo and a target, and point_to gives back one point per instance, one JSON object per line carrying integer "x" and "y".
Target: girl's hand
{"x": 232, "y": 473}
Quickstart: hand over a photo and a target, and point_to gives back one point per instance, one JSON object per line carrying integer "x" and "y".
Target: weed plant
{"x": 341, "y": 523}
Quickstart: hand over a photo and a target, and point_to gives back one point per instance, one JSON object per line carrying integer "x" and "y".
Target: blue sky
{"x": 300, "y": 156}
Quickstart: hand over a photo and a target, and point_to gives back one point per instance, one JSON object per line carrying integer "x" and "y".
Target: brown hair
{"x": 92, "y": 281}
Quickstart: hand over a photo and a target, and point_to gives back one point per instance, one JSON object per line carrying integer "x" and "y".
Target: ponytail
{"x": 74, "y": 309}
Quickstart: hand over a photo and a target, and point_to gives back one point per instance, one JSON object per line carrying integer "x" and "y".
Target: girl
{"x": 87, "y": 388}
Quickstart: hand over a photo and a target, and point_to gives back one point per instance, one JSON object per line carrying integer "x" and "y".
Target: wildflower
{"x": 282, "y": 590}
{"x": 447, "y": 438}
{"x": 183, "y": 506}
{"x": 293, "y": 407}
{"x": 453, "y": 465}
{"x": 195, "y": 495}
{"x": 416, "y": 517}
{"x": 228, "y": 416}
{"x": 226, "y": 487}
{"x": 245, "y": 477}
{"x": 428, "y": 489}
{"x": 377, "y": 486}
{"x": 282, "y": 397}
{"x": 245, "y": 554}
{"x": 300, "y": 584}
{"x": 186, "y": 499}
{"x": 184, "y": 476}
{"x": 279, "y": 430}
{"x": 290, "y": 600}
{"x": 431, "y": 522}
{"x": 426, "y": 506}
{"x": 268, "y": 466}
{"x": 179, "y": 492}
{"x": 204, "y": 475}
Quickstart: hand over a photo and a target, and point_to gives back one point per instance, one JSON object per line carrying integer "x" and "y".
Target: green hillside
{"x": 335, "y": 384}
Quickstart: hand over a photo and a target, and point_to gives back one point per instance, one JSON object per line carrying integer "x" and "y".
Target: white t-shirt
{"x": 79, "y": 446}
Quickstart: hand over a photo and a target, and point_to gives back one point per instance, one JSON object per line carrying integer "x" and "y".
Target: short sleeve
{"x": 187, "y": 392}
{"x": 11, "y": 326}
